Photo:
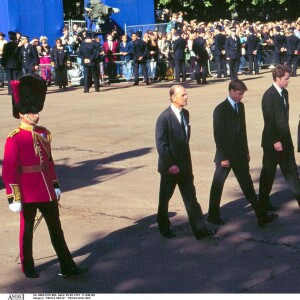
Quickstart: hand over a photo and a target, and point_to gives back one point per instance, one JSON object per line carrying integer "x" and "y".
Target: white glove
{"x": 116, "y": 10}
{"x": 58, "y": 193}
{"x": 15, "y": 207}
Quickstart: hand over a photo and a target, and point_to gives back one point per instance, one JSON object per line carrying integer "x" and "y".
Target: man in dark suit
{"x": 179, "y": 48}
{"x": 252, "y": 46}
{"x": 89, "y": 54}
{"x": 292, "y": 51}
{"x": 279, "y": 41}
{"x": 199, "y": 48}
{"x": 10, "y": 60}
{"x": 277, "y": 142}
{"x": 175, "y": 166}
{"x": 233, "y": 51}
{"x": 139, "y": 56}
{"x": 219, "y": 51}
{"x": 29, "y": 56}
{"x": 232, "y": 153}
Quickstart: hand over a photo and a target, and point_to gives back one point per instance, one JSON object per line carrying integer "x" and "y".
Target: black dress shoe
{"x": 72, "y": 272}
{"x": 136, "y": 83}
{"x": 266, "y": 219}
{"x": 31, "y": 274}
{"x": 200, "y": 235}
{"x": 167, "y": 233}
{"x": 216, "y": 221}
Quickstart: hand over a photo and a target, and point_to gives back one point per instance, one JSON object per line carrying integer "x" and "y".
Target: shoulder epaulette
{"x": 49, "y": 136}
{"x": 14, "y": 132}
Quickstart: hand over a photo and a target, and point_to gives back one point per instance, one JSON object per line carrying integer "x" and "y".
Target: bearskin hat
{"x": 28, "y": 94}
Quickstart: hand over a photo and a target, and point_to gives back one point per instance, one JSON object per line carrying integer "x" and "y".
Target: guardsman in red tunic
{"x": 30, "y": 178}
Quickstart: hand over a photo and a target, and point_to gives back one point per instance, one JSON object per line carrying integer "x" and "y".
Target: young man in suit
{"x": 219, "y": 51}
{"x": 277, "y": 142}
{"x": 252, "y": 45}
{"x": 139, "y": 55}
{"x": 172, "y": 136}
{"x": 179, "y": 47}
{"x": 232, "y": 153}
{"x": 292, "y": 51}
{"x": 199, "y": 48}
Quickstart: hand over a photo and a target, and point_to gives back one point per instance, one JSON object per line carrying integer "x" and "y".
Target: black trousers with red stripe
{"x": 50, "y": 213}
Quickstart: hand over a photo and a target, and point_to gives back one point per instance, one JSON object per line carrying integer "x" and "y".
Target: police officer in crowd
{"x": 29, "y": 56}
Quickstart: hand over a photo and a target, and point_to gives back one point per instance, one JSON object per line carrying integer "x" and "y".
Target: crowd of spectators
{"x": 115, "y": 51}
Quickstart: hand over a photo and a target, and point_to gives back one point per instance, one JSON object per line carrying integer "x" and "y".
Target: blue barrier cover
{"x": 33, "y": 18}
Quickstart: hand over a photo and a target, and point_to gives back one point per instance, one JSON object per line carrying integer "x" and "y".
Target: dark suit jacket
{"x": 199, "y": 48}
{"x": 252, "y": 43}
{"x": 292, "y": 44}
{"x": 59, "y": 58}
{"x": 89, "y": 51}
{"x": 276, "y": 120}
{"x": 139, "y": 48}
{"x": 172, "y": 144}
{"x": 230, "y": 132}
{"x": 279, "y": 42}
{"x": 29, "y": 56}
{"x": 233, "y": 48}
{"x": 10, "y": 56}
{"x": 179, "y": 45}
{"x": 219, "y": 42}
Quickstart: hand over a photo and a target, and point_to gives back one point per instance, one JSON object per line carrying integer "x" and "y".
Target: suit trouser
{"x": 289, "y": 169}
{"x": 91, "y": 71}
{"x": 253, "y": 60}
{"x": 136, "y": 65}
{"x": 188, "y": 192}
{"x": 180, "y": 69}
{"x": 221, "y": 65}
{"x": 50, "y": 213}
{"x": 292, "y": 62}
{"x": 12, "y": 74}
{"x": 111, "y": 69}
{"x": 203, "y": 65}
{"x": 279, "y": 58}
{"x": 240, "y": 167}
{"x": 234, "y": 65}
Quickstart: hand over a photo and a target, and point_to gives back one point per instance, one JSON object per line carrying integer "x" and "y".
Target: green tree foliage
{"x": 249, "y": 9}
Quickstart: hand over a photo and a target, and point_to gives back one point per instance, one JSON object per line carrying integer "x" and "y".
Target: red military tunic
{"x": 28, "y": 168}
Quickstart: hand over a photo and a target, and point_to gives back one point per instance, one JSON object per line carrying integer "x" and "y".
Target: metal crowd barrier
{"x": 75, "y": 74}
{"x": 160, "y": 27}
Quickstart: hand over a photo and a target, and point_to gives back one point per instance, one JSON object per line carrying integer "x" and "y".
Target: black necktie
{"x": 236, "y": 107}
{"x": 182, "y": 122}
{"x": 282, "y": 96}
